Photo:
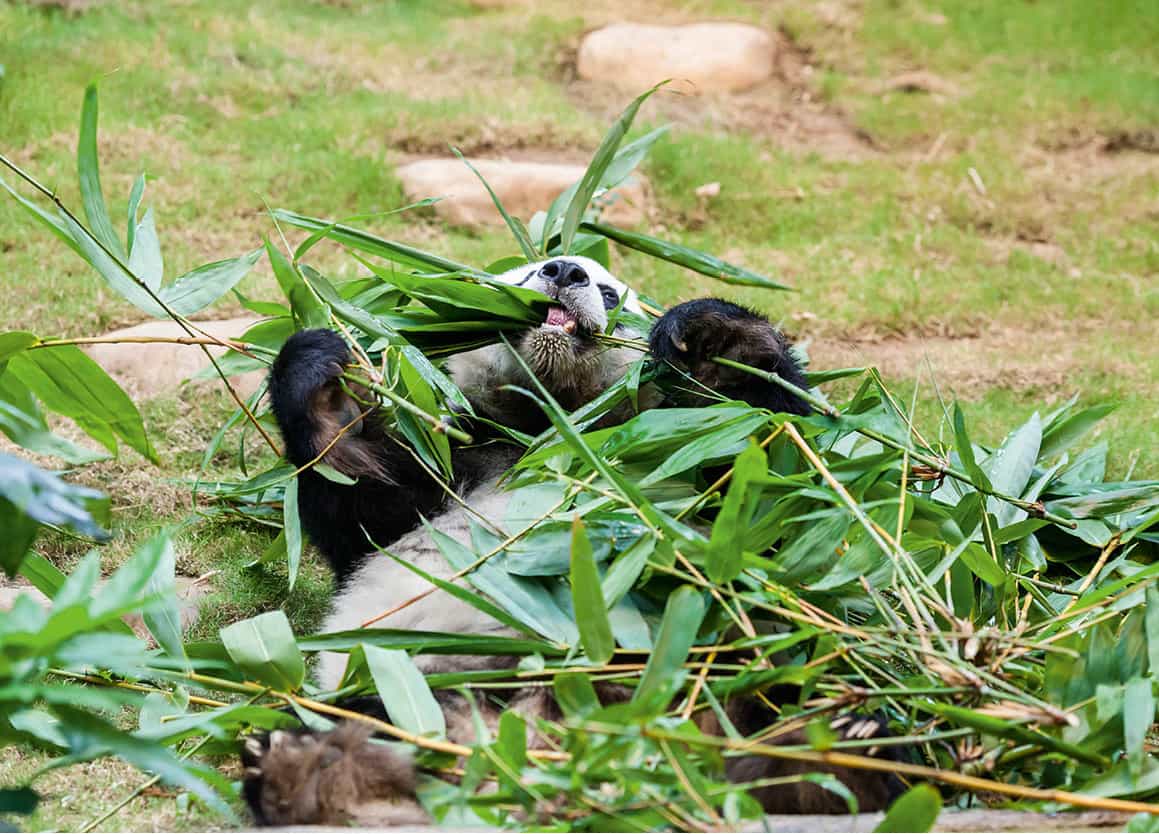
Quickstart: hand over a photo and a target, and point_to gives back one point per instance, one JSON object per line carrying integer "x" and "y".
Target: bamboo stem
{"x": 437, "y": 425}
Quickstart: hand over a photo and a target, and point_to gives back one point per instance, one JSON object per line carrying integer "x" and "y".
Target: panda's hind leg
{"x": 329, "y": 778}
{"x": 783, "y": 791}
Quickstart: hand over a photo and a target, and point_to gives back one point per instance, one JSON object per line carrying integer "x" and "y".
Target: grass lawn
{"x": 992, "y": 235}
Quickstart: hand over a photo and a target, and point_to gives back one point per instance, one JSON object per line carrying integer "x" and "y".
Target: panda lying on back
{"x": 301, "y": 778}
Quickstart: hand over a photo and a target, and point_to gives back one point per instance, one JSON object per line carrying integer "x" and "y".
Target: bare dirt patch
{"x": 969, "y": 366}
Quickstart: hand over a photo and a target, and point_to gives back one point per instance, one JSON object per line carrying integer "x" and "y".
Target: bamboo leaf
{"x": 683, "y": 614}
{"x": 145, "y": 259}
{"x": 264, "y": 649}
{"x": 197, "y": 289}
{"x": 88, "y": 169}
{"x": 915, "y": 810}
{"x": 684, "y": 256}
{"x": 163, "y": 615}
{"x": 68, "y": 382}
{"x": 603, "y": 157}
{"x": 404, "y": 691}
{"x": 292, "y": 529}
{"x": 591, "y": 612}
{"x": 362, "y": 241}
{"x": 518, "y": 230}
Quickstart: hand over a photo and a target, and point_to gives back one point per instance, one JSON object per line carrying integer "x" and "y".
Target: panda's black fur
{"x": 319, "y": 420}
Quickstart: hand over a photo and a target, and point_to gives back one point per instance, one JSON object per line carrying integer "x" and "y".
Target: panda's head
{"x": 562, "y": 352}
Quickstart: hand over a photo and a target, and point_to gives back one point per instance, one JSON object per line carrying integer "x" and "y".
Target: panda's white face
{"x": 586, "y": 292}
{"x": 562, "y": 352}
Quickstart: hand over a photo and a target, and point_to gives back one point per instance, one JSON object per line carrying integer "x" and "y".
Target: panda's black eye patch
{"x": 610, "y": 296}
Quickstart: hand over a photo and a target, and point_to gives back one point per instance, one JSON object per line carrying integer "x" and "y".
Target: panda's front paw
{"x": 692, "y": 335}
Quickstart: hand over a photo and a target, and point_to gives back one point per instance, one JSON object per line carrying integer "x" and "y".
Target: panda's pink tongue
{"x": 560, "y": 317}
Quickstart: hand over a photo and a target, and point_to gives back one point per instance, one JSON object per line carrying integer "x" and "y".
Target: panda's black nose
{"x": 564, "y": 274}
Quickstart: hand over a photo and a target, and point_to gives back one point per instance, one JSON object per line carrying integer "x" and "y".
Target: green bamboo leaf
{"x": 684, "y": 256}
{"x": 683, "y": 614}
{"x": 603, "y": 157}
{"x": 13, "y": 342}
{"x": 965, "y": 451}
{"x": 362, "y": 241}
{"x": 915, "y": 810}
{"x": 1151, "y": 626}
{"x": 292, "y": 527}
{"x": 197, "y": 289}
{"x": 576, "y": 694}
{"x": 626, "y": 569}
{"x": 1060, "y": 436}
{"x": 813, "y": 550}
{"x": 726, "y": 545}
{"x": 31, "y": 496}
{"x": 134, "y": 204}
{"x": 114, "y": 271}
{"x": 68, "y": 382}
{"x": 404, "y": 691}
{"x": 48, "y": 578}
{"x": 307, "y": 306}
{"x": 50, "y": 222}
{"x": 429, "y": 642}
{"x": 476, "y": 601}
{"x": 591, "y": 612}
{"x": 1010, "y": 467}
{"x": 525, "y": 600}
{"x": 145, "y": 259}
{"x": 88, "y": 169}
{"x": 264, "y": 649}
{"x": 163, "y": 616}
{"x": 1138, "y": 716}
{"x": 1100, "y": 503}
{"x": 23, "y": 421}
{"x": 511, "y": 743}
{"x": 89, "y": 736}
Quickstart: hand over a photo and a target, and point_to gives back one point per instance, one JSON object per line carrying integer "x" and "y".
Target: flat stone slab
{"x": 698, "y": 57}
{"x": 190, "y": 590}
{"x": 979, "y": 820}
{"x": 147, "y": 369}
{"x": 523, "y": 187}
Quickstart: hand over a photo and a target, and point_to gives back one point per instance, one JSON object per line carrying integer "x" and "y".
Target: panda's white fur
{"x": 572, "y": 366}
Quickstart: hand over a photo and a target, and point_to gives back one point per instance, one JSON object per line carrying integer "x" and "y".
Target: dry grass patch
{"x": 967, "y": 366}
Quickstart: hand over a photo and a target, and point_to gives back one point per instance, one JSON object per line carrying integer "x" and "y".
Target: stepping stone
{"x": 146, "y": 370}
{"x": 523, "y": 187}
{"x": 698, "y": 57}
{"x": 190, "y": 590}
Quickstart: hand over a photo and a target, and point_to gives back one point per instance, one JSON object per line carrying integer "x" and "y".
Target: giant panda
{"x": 306, "y": 777}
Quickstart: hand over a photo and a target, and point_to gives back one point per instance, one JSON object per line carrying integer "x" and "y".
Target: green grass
{"x": 892, "y": 249}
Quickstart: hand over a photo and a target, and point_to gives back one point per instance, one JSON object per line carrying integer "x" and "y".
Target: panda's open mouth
{"x": 562, "y": 318}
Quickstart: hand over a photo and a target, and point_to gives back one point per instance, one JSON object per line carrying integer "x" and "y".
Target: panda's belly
{"x": 381, "y": 584}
